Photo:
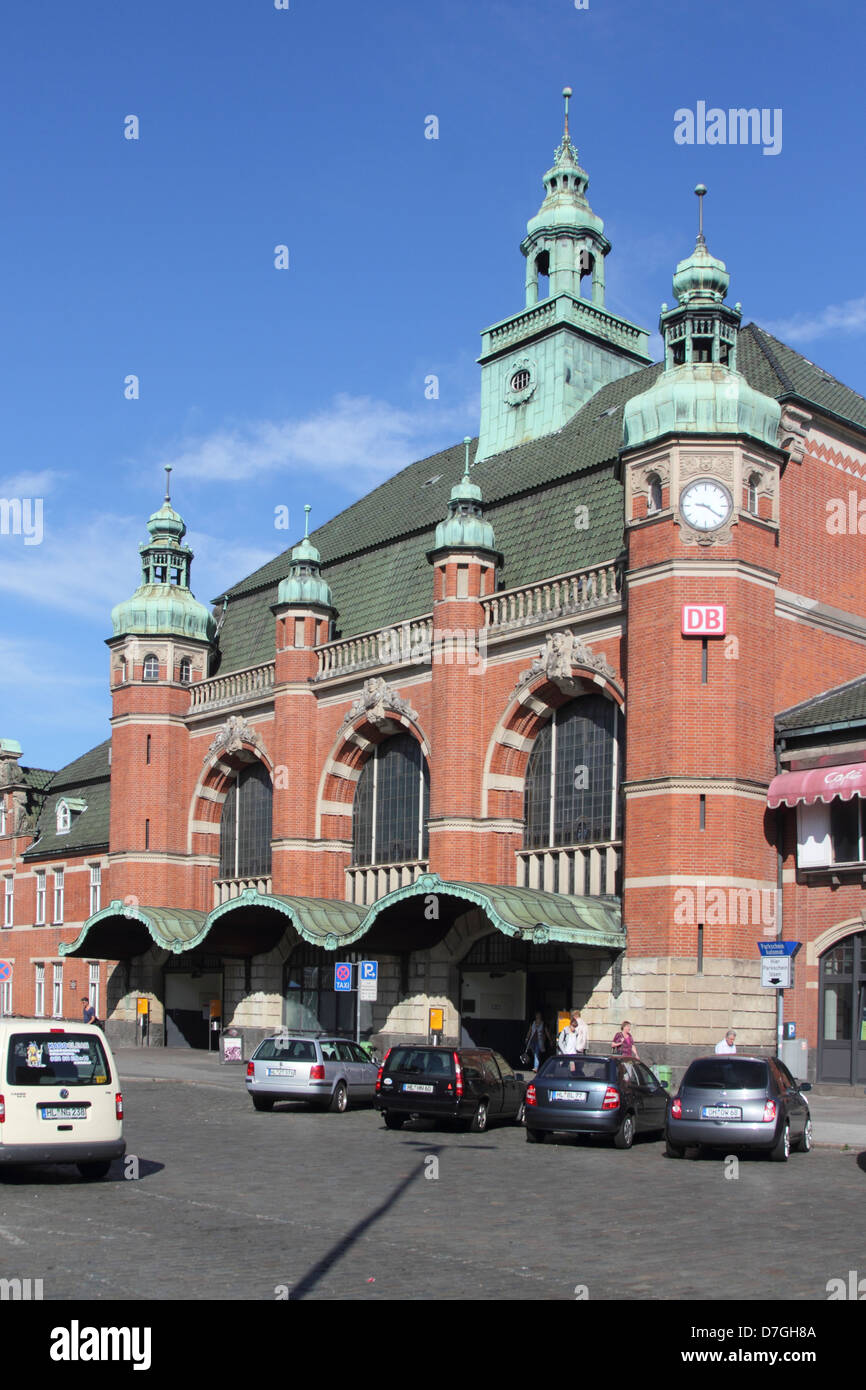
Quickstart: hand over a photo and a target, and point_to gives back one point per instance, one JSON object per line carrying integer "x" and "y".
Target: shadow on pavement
{"x": 309, "y": 1281}
{"x": 66, "y": 1174}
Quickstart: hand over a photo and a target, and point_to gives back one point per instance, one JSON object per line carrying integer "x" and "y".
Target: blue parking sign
{"x": 343, "y": 976}
{"x": 369, "y": 969}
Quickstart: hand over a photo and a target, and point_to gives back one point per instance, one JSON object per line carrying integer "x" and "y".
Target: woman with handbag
{"x": 538, "y": 1042}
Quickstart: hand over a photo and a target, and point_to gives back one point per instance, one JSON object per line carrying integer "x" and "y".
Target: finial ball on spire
{"x": 700, "y": 189}
{"x": 567, "y": 92}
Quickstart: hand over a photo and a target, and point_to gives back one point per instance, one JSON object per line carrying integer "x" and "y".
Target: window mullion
{"x": 373, "y": 845}
{"x": 552, "y": 810}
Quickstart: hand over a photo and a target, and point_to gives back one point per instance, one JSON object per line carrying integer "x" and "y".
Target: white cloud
{"x": 37, "y": 484}
{"x": 849, "y": 317}
{"x": 357, "y": 441}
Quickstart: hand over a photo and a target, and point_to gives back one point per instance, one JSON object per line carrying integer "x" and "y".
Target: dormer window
{"x": 150, "y": 669}
{"x": 64, "y": 818}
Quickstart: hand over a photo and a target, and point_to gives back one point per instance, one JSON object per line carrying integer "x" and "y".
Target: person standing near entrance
{"x": 623, "y": 1042}
{"x": 566, "y": 1043}
{"x": 538, "y": 1040}
{"x": 581, "y": 1029}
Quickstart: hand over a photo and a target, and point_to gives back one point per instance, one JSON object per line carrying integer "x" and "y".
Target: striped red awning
{"x": 838, "y": 783}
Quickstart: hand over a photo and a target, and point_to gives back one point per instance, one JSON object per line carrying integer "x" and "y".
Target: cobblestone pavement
{"x": 233, "y": 1204}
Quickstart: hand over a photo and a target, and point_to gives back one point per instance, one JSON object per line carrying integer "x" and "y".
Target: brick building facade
{"x": 460, "y": 730}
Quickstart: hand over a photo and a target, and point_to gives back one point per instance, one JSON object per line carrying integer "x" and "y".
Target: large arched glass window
{"x": 573, "y": 776}
{"x": 150, "y": 668}
{"x": 389, "y": 817}
{"x": 245, "y": 825}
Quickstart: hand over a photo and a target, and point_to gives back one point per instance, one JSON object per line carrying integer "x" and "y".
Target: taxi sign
{"x": 343, "y": 977}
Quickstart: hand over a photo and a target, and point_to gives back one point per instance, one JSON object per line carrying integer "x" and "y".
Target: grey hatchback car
{"x": 733, "y": 1102}
{"x": 328, "y": 1072}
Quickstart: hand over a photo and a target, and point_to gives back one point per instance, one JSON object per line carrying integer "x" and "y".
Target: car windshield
{"x": 417, "y": 1062}
{"x": 51, "y": 1059}
{"x": 575, "y": 1068}
{"x": 727, "y": 1074}
{"x": 285, "y": 1049}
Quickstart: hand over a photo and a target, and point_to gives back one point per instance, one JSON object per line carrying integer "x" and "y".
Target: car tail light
{"x": 379, "y": 1077}
{"x": 676, "y": 1109}
{"x": 251, "y": 1068}
{"x": 530, "y": 1096}
{"x": 769, "y": 1110}
{"x": 459, "y": 1070}
{"x": 317, "y": 1072}
{"x": 2, "y": 1109}
{"x": 118, "y": 1105}
{"x": 611, "y": 1099}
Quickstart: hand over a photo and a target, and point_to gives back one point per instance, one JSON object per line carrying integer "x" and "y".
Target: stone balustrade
{"x": 554, "y": 598}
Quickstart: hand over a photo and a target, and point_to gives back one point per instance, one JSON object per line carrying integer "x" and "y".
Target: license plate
{"x": 568, "y": 1095}
{"x": 281, "y": 1071}
{"x": 64, "y": 1112}
{"x": 721, "y": 1112}
{"x": 412, "y": 1086}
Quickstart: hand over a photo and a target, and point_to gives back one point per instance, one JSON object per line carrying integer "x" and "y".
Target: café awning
{"x": 839, "y": 783}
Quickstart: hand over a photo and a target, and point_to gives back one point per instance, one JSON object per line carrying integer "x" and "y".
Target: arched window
{"x": 245, "y": 824}
{"x": 185, "y": 673}
{"x": 654, "y": 494}
{"x": 64, "y": 818}
{"x": 150, "y": 669}
{"x": 752, "y": 493}
{"x": 573, "y": 776}
{"x": 389, "y": 817}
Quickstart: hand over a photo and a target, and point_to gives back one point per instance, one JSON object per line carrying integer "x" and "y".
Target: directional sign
{"x": 776, "y": 972}
{"x": 368, "y": 980}
{"x": 343, "y": 977}
{"x": 5, "y": 970}
{"x": 779, "y": 948}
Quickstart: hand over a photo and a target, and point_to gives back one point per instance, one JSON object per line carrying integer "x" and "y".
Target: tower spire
{"x": 701, "y": 192}
{"x": 167, "y": 483}
{"x": 566, "y": 92}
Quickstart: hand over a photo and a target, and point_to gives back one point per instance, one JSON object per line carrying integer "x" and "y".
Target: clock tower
{"x": 701, "y": 470}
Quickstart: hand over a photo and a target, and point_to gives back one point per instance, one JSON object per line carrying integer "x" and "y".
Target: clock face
{"x": 706, "y": 505}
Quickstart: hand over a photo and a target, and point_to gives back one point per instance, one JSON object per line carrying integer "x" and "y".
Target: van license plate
{"x": 721, "y": 1112}
{"x": 64, "y": 1112}
{"x": 412, "y": 1086}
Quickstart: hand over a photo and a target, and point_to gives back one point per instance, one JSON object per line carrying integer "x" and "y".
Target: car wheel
{"x": 782, "y": 1147}
{"x": 479, "y": 1119}
{"x": 674, "y": 1150}
{"x": 624, "y": 1137}
{"x": 262, "y": 1103}
{"x": 393, "y": 1120}
{"x": 536, "y": 1136}
{"x": 804, "y": 1143}
{"x": 340, "y": 1098}
{"x": 92, "y": 1171}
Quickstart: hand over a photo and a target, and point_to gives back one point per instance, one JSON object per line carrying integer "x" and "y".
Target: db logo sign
{"x": 704, "y": 619}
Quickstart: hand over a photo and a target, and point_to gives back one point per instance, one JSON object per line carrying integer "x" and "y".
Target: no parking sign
{"x": 5, "y": 970}
{"x": 343, "y": 977}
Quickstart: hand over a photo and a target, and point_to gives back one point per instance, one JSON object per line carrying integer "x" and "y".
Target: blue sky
{"x": 306, "y": 127}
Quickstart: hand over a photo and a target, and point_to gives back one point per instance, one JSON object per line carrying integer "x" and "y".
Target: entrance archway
{"x": 502, "y": 984}
{"x": 842, "y": 1017}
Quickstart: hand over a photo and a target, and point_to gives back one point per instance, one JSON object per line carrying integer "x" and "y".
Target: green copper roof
{"x": 305, "y": 585}
{"x": 700, "y": 277}
{"x": 163, "y": 604}
{"x": 565, "y": 203}
{"x": 523, "y": 912}
{"x": 465, "y": 527}
{"x": 701, "y": 398}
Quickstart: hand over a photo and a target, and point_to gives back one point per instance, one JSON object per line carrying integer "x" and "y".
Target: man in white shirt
{"x": 573, "y": 1037}
{"x": 728, "y": 1043}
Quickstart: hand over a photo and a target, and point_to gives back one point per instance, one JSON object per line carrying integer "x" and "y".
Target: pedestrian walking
{"x": 89, "y": 1013}
{"x": 566, "y": 1043}
{"x": 581, "y": 1029}
{"x": 538, "y": 1041}
{"x": 623, "y": 1042}
{"x": 728, "y": 1043}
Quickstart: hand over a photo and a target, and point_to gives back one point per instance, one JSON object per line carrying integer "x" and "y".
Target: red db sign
{"x": 704, "y": 619}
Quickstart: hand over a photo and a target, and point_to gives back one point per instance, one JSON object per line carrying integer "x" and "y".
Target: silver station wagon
{"x": 327, "y": 1072}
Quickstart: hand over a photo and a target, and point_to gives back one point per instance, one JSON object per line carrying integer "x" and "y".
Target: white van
{"x": 60, "y": 1099}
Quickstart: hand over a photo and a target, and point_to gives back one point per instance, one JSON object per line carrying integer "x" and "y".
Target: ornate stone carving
{"x": 378, "y": 700}
{"x": 562, "y": 651}
{"x": 234, "y": 733}
{"x": 719, "y": 465}
{"x": 794, "y": 431}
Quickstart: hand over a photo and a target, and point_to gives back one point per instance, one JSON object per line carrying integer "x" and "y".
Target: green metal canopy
{"x": 251, "y": 924}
